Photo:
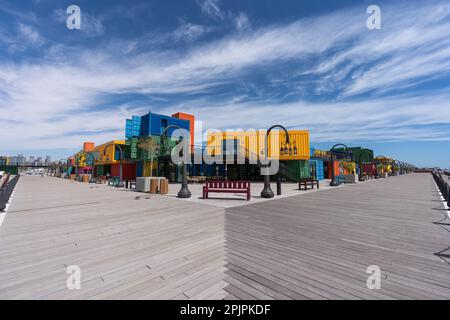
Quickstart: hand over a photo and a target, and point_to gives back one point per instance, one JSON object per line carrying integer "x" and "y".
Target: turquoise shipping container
{"x": 316, "y": 169}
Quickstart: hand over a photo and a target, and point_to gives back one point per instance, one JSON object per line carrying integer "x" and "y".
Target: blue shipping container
{"x": 318, "y": 164}
{"x": 154, "y": 124}
{"x": 139, "y": 169}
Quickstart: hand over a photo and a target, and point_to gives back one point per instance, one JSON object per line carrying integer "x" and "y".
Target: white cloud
{"x": 211, "y": 8}
{"x": 20, "y": 14}
{"x": 30, "y": 35}
{"x": 189, "y": 32}
{"x": 242, "y": 22}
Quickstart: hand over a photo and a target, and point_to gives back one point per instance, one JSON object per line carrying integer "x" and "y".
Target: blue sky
{"x": 233, "y": 64}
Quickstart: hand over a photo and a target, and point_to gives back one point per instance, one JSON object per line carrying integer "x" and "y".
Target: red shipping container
{"x": 128, "y": 170}
{"x": 370, "y": 169}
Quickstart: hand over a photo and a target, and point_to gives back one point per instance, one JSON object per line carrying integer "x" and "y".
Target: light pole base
{"x": 334, "y": 183}
{"x": 184, "y": 193}
{"x": 267, "y": 193}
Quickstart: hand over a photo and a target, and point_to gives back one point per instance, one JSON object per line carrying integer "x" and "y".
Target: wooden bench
{"x": 130, "y": 183}
{"x": 101, "y": 179}
{"x": 197, "y": 179}
{"x": 226, "y": 187}
{"x": 113, "y": 181}
{"x": 305, "y": 182}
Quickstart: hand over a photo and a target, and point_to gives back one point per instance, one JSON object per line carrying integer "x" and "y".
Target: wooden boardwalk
{"x": 311, "y": 246}
{"x": 127, "y": 247}
{"x": 319, "y": 246}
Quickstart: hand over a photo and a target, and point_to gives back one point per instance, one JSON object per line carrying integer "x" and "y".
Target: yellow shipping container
{"x": 105, "y": 153}
{"x": 147, "y": 167}
{"x": 253, "y": 143}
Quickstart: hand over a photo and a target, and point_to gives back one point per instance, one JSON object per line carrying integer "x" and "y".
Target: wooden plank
{"x": 312, "y": 246}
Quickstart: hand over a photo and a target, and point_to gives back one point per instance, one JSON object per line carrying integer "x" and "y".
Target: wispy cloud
{"x": 242, "y": 22}
{"x": 211, "y": 8}
{"x": 189, "y": 32}
{"x": 30, "y": 35}
{"x": 23, "y": 15}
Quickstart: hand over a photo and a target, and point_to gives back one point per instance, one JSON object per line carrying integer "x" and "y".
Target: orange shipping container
{"x": 191, "y": 119}
{"x": 337, "y": 169}
{"x": 88, "y": 146}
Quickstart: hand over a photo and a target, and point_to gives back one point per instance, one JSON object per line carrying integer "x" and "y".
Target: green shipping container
{"x": 9, "y": 169}
{"x": 299, "y": 168}
{"x": 360, "y": 154}
{"x": 100, "y": 169}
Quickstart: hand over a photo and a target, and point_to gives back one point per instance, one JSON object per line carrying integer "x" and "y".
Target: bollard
{"x": 2, "y": 200}
{"x": 447, "y": 191}
{"x": 278, "y": 186}
{"x": 448, "y": 198}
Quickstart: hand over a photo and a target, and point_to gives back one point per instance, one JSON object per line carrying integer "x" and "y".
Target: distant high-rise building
{"x": 21, "y": 159}
{"x": 48, "y": 159}
{"x": 12, "y": 161}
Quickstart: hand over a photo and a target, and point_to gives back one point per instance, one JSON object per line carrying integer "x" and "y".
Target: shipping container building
{"x": 317, "y": 169}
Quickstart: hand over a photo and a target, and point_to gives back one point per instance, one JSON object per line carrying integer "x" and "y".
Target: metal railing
{"x": 6, "y": 190}
{"x": 443, "y": 182}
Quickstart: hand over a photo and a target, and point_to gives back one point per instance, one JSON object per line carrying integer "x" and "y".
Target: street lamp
{"x": 378, "y": 160}
{"x": 267, "y": 191}
{"x": 120, "y": 183}
{"x": 361, "y": 163}
{"x": 184, "y": 191}
{"x": 67, "y": 167}
{"x": 333, "y": 182}
{"x": 92, "y": 180}
{"x": 61, "y": 164}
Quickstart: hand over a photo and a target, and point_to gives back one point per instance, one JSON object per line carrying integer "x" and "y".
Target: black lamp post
{"x": 379, "y": 161}
{"x": 267, "y": 191}
{"x": 61, "y": 164}
{"x": 120, "y": 184}
{"x": 361, "y": 163}
{"x": 333, "y": 182}
{"x": 92, "y": 180}
{"x": 402, "y": 167}
{"x": 184, "y": 191}
{"x": 67, "y": 167}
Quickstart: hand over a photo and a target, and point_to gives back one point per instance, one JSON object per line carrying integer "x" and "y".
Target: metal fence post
{"x": 6, "y": 191}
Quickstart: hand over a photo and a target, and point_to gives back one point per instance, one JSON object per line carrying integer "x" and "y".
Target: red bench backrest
{"x": 223, "y": 184}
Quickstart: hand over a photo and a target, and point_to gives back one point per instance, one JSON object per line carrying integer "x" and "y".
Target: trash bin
{"x": 164, "y": 186}
{"x": 154, "y": 186}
